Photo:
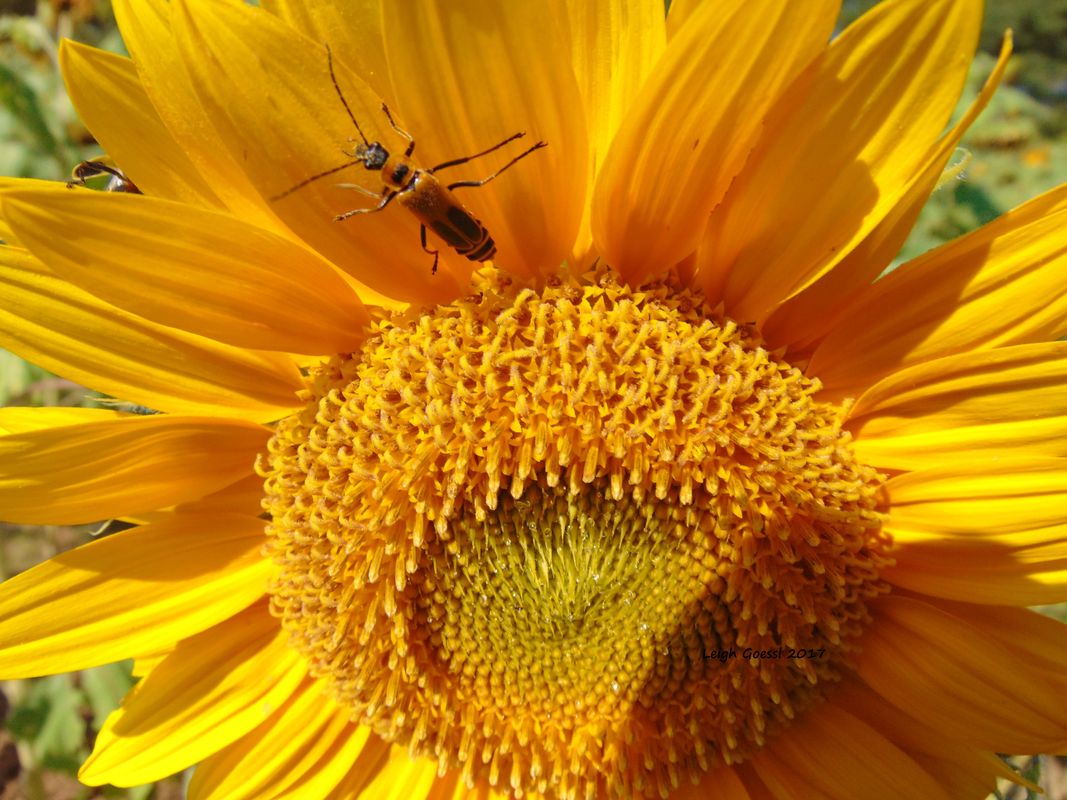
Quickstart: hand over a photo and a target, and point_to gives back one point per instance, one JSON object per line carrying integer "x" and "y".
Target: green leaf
{"x": 18, "y": 97}
{"x": 60, "y": 740}
{"x": 105, "y": 687}
{"x": 140, "y": 792}
{"x": 15, "y": 376}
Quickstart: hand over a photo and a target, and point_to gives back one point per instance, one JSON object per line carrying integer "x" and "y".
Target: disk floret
{"x": 587, "y": 541}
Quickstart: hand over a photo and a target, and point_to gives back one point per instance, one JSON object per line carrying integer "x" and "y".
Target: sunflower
{"x": 674, "y": 497}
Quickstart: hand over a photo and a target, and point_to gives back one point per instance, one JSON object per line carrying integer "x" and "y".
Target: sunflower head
{"x": 667, "y": 495}
{"x": 516, "y": 532}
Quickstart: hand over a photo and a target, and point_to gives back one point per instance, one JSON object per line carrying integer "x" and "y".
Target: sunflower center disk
{"x": 587, "y": 542}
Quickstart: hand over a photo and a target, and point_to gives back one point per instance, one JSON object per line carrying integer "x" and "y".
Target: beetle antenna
{"x": 312, "y": 179}
{"x": 333, "y": 77}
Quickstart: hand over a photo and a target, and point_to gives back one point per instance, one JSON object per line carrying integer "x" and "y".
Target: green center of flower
{"x": 587, "y": 542}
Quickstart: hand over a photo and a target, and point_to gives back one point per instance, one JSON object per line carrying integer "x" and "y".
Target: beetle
{"x": 432, "y": 203}
{"x": 118, "y": 182}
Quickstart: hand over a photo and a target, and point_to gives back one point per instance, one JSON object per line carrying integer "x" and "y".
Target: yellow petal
{"x": 678, "y": 13}
{"x": 403, "y": 778}
{"x": 243, "y": 497}
{"x": 353, "y": 30}
{"x": 213, "y": 689}
{"x": 7, "y": 235}
{"x": 146, "y": 32}
{"x": 962, "y": 770}
{"x": 614, "y": 46}
{"x": 829, "y": 753}
{"x": 144, "y": 664}
{"x": 308, "y": 745}
{"x": 756, "y": 788}
{"x": 992, "y": 531}
{"x": 192, "y": 269}
{"x": 809, "y": 315}
{"x": 62, "y": 328}
{"x": 1038, "y": 639}
{"x": 72, "y": 474}
{"x": 345, "y": 770}
{"x": 468, "y": 74}
{"x": 451, "y": 786}
{"x": 973, "y": 688}
{"x": 1000, "y": 499}
{"x": 723, "y": 783}
{"x": 983, "y": 571}
{"x": 108, "y": 95}
{"x": 129, "y": 593}
{"x": 26, "y": 419}
{"x": 694, "y": 123}
{"x": 838, "y": 153}
{"x": 1009, "y": 401}
{"x": 1000, "y": 285}
{"x": 279, "y": 116}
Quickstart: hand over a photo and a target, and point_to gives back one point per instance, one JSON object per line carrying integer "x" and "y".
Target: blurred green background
{"x": 1016, "y": 150}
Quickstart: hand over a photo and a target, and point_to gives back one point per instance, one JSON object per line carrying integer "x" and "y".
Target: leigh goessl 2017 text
{"x": 751, "y": 654}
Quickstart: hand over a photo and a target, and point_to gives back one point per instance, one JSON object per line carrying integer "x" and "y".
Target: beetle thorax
{"x": 398, "y": 173}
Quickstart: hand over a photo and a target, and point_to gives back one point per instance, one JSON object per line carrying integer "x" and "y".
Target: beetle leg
{"x": 386, "y": 200}
{"x": 411, "y": 142}
{"x": 363, "y": 189}
{"x": 435, "y": 253}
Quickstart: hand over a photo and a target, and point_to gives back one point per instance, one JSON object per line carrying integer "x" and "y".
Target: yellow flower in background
{"x": 673, "y": 499}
